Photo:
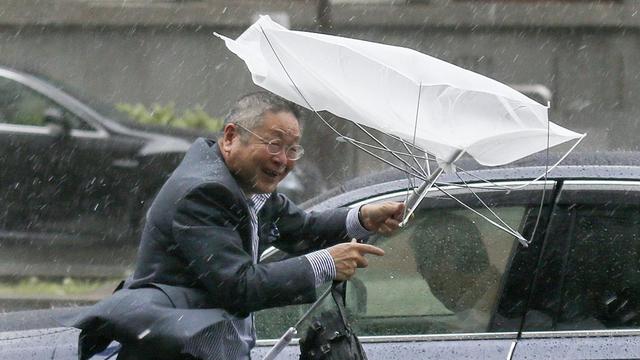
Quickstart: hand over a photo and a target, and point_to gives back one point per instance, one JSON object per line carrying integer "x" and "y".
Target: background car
{"x": 74, "y": 183}
{"x": 453, "y": 286}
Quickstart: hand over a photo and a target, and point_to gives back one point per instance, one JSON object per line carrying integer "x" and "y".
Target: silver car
{"x": 453, "y": 286}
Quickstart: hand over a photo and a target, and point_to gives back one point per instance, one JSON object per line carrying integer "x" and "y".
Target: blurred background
{"x": 68, "y": 231}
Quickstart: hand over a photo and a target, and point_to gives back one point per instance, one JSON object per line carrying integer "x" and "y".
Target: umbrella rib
{"x": 415, "y": 129}
{"x": 386, "y": 148}
{"x": 484, "y": 204}
{"x": 504, "y": 187}
{"x": 413, "y": 142}
{"x": 521, "y": 238}
{"x": 409, "y": 154}
{"x": 415, "y": 157}
{"x": 457, "y": 185}
{"x": 544, "y": 187}
{"x": 427, "y": 157}
{"x": 403, "y": 141}
{"x": 395, "y": 137}
{"x": 406, "y": 145}
{"x": 397, "y": 167}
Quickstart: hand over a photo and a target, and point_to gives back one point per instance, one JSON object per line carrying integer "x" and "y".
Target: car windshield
{"x": 103, "y": 107}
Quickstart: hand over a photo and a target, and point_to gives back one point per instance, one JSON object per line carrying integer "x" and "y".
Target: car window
{"x": 601, "y": 286}
{"x": 589, "y": 274}
{"x": 20, "y": 105}
{"x": 272, "y": 323}
{"x": 443, "y": 273}
{"x": 440, "y": 275}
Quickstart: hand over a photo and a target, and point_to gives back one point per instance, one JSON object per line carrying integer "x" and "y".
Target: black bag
{"x": 329, "y": 336}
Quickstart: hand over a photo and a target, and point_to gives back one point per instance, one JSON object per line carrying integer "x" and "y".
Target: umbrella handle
{"x": 281, "y": 344}
{"x": 416, "y": 197}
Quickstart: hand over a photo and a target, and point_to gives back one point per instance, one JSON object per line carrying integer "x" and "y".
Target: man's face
{"x": 246, "y": 155}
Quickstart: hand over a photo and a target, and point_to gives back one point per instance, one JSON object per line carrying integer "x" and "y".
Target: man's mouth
{"x": 272, "y": 173}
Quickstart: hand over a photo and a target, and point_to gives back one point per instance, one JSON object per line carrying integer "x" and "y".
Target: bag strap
{"x": 338, "y": 288}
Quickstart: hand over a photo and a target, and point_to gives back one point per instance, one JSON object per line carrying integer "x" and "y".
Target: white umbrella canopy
{"x": 399, "y": 91}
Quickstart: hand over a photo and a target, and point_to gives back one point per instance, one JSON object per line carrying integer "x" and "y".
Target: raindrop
{"x": 143, "y": 334}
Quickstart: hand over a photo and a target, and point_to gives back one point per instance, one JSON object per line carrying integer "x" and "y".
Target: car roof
{"x": 610, "y": 165}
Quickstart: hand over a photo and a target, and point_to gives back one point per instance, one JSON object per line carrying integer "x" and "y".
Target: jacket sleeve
{"x": 302, "y": 232}
{"x": 207, "y": 228}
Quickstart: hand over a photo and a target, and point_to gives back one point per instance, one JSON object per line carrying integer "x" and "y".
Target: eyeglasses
{"x": 275, "y": 146}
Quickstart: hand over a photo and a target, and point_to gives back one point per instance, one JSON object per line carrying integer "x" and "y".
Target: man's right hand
{"x": 349, "y": 256}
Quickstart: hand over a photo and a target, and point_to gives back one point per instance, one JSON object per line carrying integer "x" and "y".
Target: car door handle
{"x": 125, "y": 163}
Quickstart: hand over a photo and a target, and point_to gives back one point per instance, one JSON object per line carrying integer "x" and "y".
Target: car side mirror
{"x": 55, "y": 122}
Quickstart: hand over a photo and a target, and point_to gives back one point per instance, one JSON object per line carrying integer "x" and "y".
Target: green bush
{"x": 166, "y": 115}
{"x": 42, "y": 287}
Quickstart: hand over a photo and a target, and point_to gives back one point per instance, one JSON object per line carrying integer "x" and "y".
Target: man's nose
{"x": 281, "y": 157}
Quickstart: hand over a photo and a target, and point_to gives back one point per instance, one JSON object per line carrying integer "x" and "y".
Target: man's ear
{"x": 230, "y": 133}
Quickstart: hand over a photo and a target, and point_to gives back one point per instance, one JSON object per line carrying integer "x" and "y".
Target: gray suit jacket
{"x": 195, "y": 253}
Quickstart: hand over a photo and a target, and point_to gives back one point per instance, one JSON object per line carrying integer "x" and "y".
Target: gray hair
{"x": 249, "y": 110}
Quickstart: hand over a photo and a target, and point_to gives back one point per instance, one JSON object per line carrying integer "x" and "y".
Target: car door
{"x": 60, "y": 190}
{"x": 586, "y": 301}
{"x": 451, "y": 285}
{"x": 29, "y": 151}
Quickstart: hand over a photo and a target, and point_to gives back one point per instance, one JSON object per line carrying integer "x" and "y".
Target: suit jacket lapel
{"x": 218, "y": 171}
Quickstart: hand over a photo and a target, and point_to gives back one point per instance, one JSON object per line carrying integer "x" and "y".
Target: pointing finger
{"x": 368, "y": 249}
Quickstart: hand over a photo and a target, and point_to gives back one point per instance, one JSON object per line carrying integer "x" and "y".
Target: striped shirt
{"x": 234, "y": 339}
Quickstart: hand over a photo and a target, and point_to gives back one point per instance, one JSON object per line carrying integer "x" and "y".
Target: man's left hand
{"x": 383, "y": 218}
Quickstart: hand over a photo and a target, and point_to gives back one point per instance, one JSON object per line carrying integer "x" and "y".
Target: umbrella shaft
{"x": 416, "y": 197}
{"x": 281, "y": 344}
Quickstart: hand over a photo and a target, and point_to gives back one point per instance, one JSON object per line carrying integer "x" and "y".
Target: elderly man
{"x": 197, "y": 278}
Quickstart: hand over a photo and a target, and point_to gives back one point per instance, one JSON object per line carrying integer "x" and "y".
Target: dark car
{"x": 73, "y": 183}
{"x": 453, "y": 286}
